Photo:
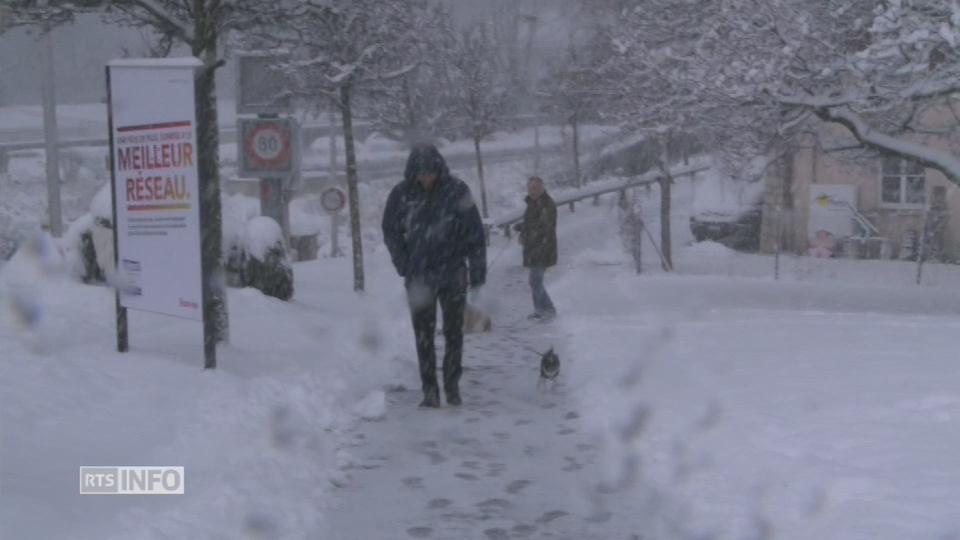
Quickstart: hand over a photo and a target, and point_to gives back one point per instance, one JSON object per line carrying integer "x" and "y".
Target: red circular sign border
{"x": 342, "y": 196}
{"x": 268, "y": 165}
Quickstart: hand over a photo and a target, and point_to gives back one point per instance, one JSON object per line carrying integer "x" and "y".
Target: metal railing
{"x": 601, "y": 188}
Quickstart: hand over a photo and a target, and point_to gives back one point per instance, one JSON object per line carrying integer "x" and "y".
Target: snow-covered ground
{"x": 715, "y": 402}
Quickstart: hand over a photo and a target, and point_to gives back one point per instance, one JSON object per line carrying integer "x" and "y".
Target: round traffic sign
{"x": 333, "y": 199}
{"x": 267, "y": 146}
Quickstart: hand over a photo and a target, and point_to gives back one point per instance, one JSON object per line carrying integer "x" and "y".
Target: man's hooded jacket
{"x": 435, "y": 236}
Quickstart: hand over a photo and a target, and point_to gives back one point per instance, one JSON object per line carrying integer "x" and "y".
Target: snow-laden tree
{"x": 415, "y": 106}
{"x": 481, "y": 89}
{"x": 44, "y": 14}
{"x": 754, "y": 73}
{"x": 569, "y": 91}
{"x": 340, "y": 49}
{"x": 657, "y": 80}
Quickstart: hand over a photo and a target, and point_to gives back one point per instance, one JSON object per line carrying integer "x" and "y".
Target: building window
{"x": 902, "y": 183}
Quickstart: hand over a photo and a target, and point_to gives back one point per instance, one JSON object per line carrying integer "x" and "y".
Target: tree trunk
{"x": 665, "y": 182}
{"x": 332, "y": 120}
{"x": 216, "y": 322}
{"x": 50, "y": 137}
{"x": 334, "y": 217}
{"x": 483, "y": 187}
{"x": 574, "y": 122}
{"x": 536, "y": 148}
{"x": 353, "y": 194}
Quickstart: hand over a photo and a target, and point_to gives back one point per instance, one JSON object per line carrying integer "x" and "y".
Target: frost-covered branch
{"x": 940, "y": 160}
{"x": 160, "y": 17}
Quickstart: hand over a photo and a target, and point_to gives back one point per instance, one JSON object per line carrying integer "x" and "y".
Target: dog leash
{"x": 499, "y": 254}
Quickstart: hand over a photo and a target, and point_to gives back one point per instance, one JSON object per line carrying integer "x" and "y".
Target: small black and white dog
{"x": 549, "y": 368}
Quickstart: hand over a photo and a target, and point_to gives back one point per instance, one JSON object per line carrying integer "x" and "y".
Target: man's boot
{"x": 453, "y": 395}
{"x": 431, "y": 398}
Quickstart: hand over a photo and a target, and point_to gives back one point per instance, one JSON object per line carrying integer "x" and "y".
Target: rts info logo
{"x": 131, "y": 480}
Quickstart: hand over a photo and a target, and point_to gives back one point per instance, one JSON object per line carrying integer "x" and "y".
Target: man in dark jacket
{"x": 538, "y": 234}
{"x": 436, "y": 240}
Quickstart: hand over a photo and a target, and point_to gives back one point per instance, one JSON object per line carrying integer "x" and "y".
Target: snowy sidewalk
{"x": 506, "y": 464}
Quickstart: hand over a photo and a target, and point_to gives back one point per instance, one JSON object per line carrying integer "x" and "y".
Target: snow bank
{"x": 709, "y": 248}
{"x": 372, "y": 407}
{"x": 725, "y": 406}
{"x": 237, "y": 211}
{"x": 70, "y": 244}
{"x": 262, "y": 233}
{"x": 102, "y": 204}
{"x": 307, "y": 217}
{"x": 264, "y": 438}
{"x": 29, "y": 283}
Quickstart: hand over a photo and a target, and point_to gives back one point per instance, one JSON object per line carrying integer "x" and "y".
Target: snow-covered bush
{"x": 88, "y": 242}
{"x": 80, "y": 252}
{"x": 237, "y": 211}
{"x": 267, "y": 267}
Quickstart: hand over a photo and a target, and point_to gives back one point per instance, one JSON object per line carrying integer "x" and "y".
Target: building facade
{"x": 832, "y": 202}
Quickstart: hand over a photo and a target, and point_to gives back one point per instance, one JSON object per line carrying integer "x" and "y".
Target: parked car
{"x": 728, "y": 211}
{"x": 740, "y": 232}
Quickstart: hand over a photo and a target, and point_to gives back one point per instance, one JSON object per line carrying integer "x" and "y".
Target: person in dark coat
{"x": 538, "y": 234}
{"x": 436, "y": 240}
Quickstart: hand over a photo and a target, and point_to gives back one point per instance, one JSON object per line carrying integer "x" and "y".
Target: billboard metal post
{"x": 123, "y": 339}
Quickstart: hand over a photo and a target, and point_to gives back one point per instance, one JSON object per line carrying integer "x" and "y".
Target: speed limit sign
{"x": 333, "y": 199}
{"x": 268, "y": 147}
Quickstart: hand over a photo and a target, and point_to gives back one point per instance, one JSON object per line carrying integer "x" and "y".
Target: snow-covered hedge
{"x": 253, "y": 247}
{"x": 88, "y": 242}
{"x": 267, "y": 266}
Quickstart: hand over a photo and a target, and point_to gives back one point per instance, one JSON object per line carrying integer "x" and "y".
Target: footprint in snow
{"x": 551, "y": 516}
{"x": 494, "y": 505}
{"x": 572, "y": 464}
{"x": 436, "y": 458}
{"x": 439, "y": 503}
{"x": 517, "y": 486}
{"x": 523, "y": 530}
{"x": 413, "y": 482}
{"x": 496, "y": 534}
{"x": 420, "y": 532}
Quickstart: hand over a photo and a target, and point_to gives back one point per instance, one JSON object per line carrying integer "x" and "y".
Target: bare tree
{"x": 415, "y": 106}
{"x": 480, "y": 90}
{"x": 569, "y": 90}
{"x": 340, "y": 49}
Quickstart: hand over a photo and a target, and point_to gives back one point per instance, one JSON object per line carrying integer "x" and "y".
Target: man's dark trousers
{"x": 453, "y": 302}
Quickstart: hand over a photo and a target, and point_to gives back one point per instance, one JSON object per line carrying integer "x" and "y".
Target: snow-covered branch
{"x": 940, "y": 160}
{"x": 163, "y": 19}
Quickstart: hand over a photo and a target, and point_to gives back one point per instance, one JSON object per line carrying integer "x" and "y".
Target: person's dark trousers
{"x": 423, "y": 306}
{"x": 542, "y": 304}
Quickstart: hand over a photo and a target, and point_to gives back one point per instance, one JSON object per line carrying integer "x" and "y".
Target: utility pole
{"x": 48, "y": 94}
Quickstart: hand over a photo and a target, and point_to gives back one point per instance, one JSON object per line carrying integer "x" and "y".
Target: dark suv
{"x": 736, "y": 231}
